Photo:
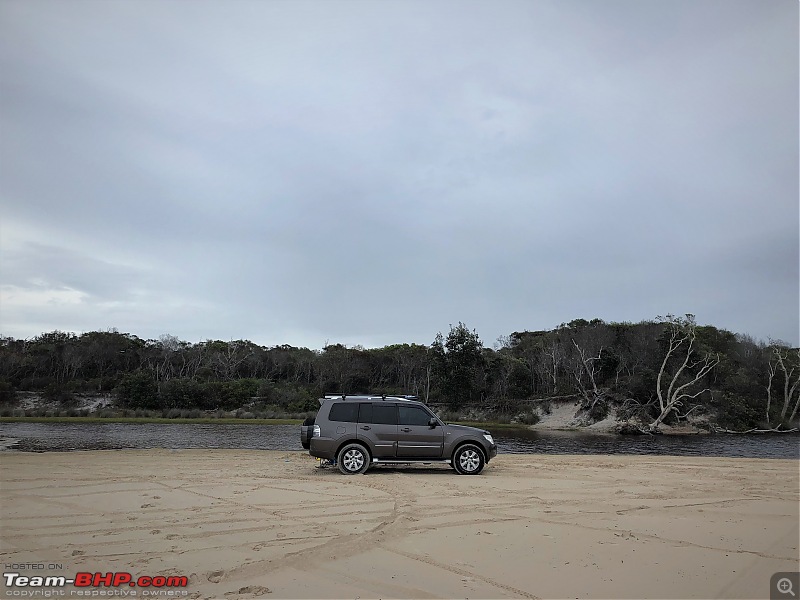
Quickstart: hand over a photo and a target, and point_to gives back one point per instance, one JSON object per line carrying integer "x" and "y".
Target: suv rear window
{"x": 344, "y": 411}
{"x": 365, "y": 413}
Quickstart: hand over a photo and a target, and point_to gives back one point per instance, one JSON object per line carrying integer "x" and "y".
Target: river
{"x": 60, "y": 437}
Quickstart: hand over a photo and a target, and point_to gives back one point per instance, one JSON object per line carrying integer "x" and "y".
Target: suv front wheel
{"x": 468, "y": 460}
{"x": 353, "y": 459}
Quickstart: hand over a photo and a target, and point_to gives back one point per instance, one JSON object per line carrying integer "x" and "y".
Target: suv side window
{"x": 365, "y": 412}
{"x": 385, "y": 414}
{"x": 413, "y": 415}
{"x": 344, "y": 411}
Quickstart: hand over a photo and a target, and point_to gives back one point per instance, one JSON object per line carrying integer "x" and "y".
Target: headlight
{"x": 316, "y": 431}
{"x": 489, "y": 439}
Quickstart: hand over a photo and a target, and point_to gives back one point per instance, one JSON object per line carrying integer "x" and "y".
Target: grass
{"x": 140, "y": 420}
{"x": 216, "y": 420}
{"x": 488, "y": 424}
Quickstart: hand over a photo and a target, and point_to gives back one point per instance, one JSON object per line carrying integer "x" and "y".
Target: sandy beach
{"x": 246, "y": 524}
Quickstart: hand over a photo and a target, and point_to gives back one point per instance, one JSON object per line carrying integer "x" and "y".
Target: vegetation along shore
{"x": 669, "y": 374}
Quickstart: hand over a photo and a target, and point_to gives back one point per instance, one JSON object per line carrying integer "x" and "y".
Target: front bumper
{"x": 492, "y": 452}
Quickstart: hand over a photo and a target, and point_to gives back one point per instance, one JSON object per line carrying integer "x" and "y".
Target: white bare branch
{"x": 789, "y": 385}
{"x": 588, "y": 364}
{"x": 771, "y": 370}
{"x": 794, "y": 387}
{"x": 681, "y": 332}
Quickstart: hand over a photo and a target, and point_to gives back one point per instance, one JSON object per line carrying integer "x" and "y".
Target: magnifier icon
{"x": 784, "y": 586}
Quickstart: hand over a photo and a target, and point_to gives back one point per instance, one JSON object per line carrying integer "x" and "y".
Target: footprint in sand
{"x": 216, "y": 576}
{"x": 255, "y": 590}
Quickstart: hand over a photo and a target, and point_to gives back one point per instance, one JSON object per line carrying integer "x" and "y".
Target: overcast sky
{"x": 371, "y": 172}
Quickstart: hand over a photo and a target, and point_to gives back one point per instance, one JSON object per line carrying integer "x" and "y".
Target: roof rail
{"x": 370, "y": 397}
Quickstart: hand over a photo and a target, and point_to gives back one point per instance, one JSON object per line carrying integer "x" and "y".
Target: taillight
{"x": 316, "y": 431}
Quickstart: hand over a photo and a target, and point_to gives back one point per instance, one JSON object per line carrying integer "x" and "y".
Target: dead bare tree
{"x": 789, "y": 385}
{"x": 229, "y": 355}
{"x": 777, "y": 429}
{"x": 587, "y": 365}
{"x": 682, "y": 332}
{"x": 794, "y": 387}
{"x": 549, "y": 364}
{"x": 771, "y": 370}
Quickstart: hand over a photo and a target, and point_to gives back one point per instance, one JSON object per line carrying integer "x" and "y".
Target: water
{"x": 48, "y": 437}
{"x": 569, "y": 442}
{"x": 45, "y": 437}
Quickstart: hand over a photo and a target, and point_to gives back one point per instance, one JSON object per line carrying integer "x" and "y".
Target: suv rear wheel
{"x": 468, "y": 460}
{"x": 353, "y": 459}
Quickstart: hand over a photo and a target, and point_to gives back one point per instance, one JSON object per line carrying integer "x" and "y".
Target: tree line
{"x": 651, "y": 373}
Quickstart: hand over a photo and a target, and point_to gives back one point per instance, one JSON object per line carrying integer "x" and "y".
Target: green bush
{"x": 57, "y": 393}
{"x": 182, "y": 393}
{"x": 266, "y": 391}
{"x": 228, "y": 395}
{"x": 295, "y": 397}
{"x": 738, "y": 413}
{"x": 529, "y": 418}
{"x": 241, "y": 391}
{"x": 35, "y": 384}
{"x": 8, "y": 395}
{"x": 599, "y": 411}
{"x": 138, "y": 390}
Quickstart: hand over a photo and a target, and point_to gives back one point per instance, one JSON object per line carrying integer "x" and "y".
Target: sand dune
{"x": 245, "y": 524}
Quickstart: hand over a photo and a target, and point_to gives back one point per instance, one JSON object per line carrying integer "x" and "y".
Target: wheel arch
{"x": 478, "y": 445}
{"x": 349, "y": 441}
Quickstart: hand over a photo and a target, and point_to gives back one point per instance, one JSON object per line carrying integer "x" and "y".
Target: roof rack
{"x": 368, "y": 397}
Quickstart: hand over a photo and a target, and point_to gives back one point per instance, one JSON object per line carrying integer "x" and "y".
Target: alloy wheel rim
{"x": 469, "y": 460}
{"x": 353, "y": 460}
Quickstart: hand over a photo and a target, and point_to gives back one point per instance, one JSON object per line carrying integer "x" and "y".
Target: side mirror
{"x": 432, "y": 423}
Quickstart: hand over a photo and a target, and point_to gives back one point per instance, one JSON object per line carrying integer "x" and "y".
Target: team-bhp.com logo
{"x": 91, "y": 582}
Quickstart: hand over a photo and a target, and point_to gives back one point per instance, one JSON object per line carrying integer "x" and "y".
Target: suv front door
{"x": 377, "y": 425}
{"x": 415, "y": 437}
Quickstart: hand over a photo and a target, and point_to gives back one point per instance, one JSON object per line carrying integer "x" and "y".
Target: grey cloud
{"x": 43, "y": 267}
{"x": 513, "y": 165}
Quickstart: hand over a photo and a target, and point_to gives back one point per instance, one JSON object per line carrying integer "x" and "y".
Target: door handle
{"x": 365, "y": 427}
{"x": 406, "y": 429}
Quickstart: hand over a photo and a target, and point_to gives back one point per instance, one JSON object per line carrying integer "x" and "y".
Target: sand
{"x": 245, "y": 524}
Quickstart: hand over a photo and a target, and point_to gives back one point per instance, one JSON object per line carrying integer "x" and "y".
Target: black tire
{"x": 468, "y": 460}
{"x": 353, "y": 459}
{"x": 306, "y": 431}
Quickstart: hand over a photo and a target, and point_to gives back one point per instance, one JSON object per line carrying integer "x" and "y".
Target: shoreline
{"x": 153, "y": 420}
{"x": 246, "y": 524}
{"x": 604, "y": 427}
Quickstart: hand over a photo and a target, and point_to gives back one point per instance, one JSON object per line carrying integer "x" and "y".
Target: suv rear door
{"x": 415, "y": 437}
{"x": 377, "y": 425}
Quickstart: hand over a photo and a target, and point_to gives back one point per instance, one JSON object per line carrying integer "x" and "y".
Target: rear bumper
{"x": 321, "y": 447}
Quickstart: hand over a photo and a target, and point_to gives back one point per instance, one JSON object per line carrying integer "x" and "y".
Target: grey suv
{"x": 357, "y": 431}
